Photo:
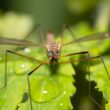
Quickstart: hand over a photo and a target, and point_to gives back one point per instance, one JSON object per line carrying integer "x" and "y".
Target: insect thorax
{"x": 53, "y": 50}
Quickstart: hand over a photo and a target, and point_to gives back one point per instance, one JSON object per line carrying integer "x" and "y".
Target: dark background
{"x": 53, "y": 13}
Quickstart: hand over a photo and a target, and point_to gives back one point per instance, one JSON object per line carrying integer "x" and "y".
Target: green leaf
{"x": 51, "y": 85}
{"x": 47, "y": 86}
{"x": 108, "y": 105}
{"x": 101, "y": 78}
{"x": 95, "y": 47}
{"x": 44, "y": 88}
{"x": 2, "y": 98}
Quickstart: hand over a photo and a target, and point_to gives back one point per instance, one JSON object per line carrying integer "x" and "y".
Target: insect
{"x": 53, "y": 50}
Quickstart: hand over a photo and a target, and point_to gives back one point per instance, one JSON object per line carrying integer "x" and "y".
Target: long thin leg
{"x": 29, "y": 34}
{"x": 86, "y": 52}
{"x": 65, "y": 26}
{"x": 84, "y": 59}
{"x": 62, "y": 34}
{"x": 42, "y": 38}
{"x": 42, "y": 34}
{"x": 33, "y": 29}
{"x": 29, "y": 83}
{"x": 38, "y": 26}
{"x": 90, "y": 95}
{"x": 6, "y": 55}
{"x": 77, "y": 53}
{"x": 88, "y": 59}
{"x": 97, "y": 36}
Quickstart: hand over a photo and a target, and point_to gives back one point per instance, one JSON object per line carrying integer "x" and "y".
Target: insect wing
{"x": 97, "y": 36}
{"x": 10, "y": 41}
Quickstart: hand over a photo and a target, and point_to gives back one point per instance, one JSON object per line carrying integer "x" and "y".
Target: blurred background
{"x": 52, "y": 14}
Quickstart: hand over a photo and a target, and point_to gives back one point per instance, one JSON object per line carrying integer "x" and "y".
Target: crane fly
{"x": 53, "y": 50}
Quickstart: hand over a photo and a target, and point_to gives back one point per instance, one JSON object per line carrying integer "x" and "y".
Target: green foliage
{"x": 95, "y": 48}
{"x": 80, "y": 6}
{"x": 98, "y": 72}
{"x": 102, "y": 80}
{"x": 13, "y": 25}
{"x": 51, "y": 86}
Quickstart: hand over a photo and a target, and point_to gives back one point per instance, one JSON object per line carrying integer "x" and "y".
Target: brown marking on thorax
{"x": 53, "y": 48}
